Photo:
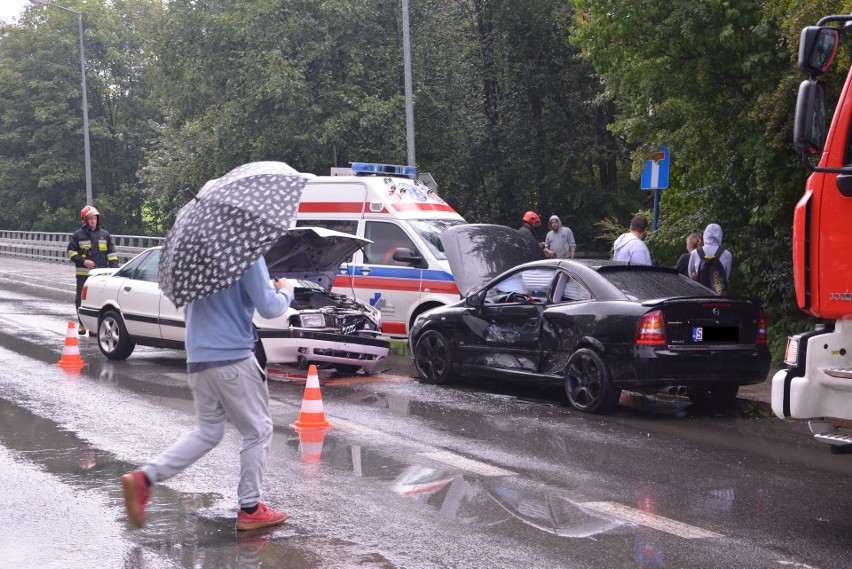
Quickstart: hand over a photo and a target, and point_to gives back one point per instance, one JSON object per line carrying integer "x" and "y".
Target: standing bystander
{"x": 90, "y": 247}
{"x": 560, "y": 240}
{"x": 630, "y": 247}
{"x": 692, "y": 241}
{"x": 713, "y": 257}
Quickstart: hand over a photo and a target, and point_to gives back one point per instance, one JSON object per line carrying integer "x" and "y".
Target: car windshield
{"x": 127, "y": 270}
{"x": 430, "y": 231}
{"x": 648, "y": 285}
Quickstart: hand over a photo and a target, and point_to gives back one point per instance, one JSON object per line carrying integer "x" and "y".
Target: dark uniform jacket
{"x": 95, "y": 245}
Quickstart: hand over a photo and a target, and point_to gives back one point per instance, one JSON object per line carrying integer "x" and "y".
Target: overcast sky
{"x": 11, "y": 9}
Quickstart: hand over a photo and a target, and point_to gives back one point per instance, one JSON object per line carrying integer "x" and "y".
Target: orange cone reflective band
{"x": 71, "y": 351}
{"x": 312, "y": 415}
{"x": 311, "y": 442}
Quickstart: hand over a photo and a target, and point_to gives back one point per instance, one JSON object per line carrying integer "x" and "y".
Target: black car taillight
{"x": 651, "y": 330}
{"x": 761, "y": 328}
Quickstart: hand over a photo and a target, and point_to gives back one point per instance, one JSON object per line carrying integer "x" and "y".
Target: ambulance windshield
{"x": 430, "y": 231}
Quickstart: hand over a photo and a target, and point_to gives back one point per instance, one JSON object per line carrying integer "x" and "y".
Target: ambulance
{"x": 404, "y": 271}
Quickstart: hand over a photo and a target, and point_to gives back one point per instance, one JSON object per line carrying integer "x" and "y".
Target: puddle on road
{"x": 182, "y": 529}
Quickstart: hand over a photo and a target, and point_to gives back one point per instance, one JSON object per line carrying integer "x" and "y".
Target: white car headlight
{"x": 312, "y": 320}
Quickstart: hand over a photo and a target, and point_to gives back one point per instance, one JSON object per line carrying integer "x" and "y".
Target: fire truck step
{"x": 843, "y": 372}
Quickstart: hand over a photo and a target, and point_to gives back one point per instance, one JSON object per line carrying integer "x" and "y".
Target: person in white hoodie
{"x": 630, "y": 247}
{"x": 712, "y": 242}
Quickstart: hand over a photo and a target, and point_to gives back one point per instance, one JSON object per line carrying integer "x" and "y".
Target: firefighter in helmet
{"x": 90, "y": 247}
{"x": 530, "y": 220}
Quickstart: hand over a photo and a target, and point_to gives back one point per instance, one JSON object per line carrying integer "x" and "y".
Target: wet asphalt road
{"x": 475, "y": 475}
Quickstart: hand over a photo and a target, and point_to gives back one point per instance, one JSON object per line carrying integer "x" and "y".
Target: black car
{"x": 595, "y": 326}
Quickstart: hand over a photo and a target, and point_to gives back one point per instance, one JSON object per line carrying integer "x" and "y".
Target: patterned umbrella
{"x": 232, "y": 222}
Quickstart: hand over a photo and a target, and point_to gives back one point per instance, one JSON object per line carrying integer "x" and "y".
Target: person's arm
{"x": 269, "y": 301}
{"x": 74, "y": 250}
{"x": 642, "y": 255}
{"x": 112, "y": 255}
{"x": 572, "y": 245}
{"x": 693, "y": 265}
{"x": 727, "y": 259}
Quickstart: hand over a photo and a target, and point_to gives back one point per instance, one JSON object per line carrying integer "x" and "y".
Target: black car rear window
{"x": 644, "y": 285}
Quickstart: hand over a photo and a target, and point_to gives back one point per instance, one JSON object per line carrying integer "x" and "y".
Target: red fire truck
{"x": 817, "y": 383}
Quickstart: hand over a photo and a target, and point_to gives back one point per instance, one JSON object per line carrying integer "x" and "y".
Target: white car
{"x": 127, "y": 307}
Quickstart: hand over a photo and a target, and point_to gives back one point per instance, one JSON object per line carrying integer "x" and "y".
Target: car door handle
{"x": 364, "y": 270}
{"x": 128, "y": 288}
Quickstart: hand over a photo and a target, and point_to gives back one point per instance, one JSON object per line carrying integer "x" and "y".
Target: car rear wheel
{"x": 433, "y": 358}
{"x": 113, "y": 340}
{"x": 713, "y": 395}
{"x": 588, "y": 384}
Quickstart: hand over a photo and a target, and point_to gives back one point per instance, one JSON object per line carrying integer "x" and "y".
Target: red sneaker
{"x": 262, "y": 517}
{"x": 136, "y": 493}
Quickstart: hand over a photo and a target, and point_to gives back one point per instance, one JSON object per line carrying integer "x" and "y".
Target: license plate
{"x": 715, "y": 334}
{"x": 348, "y": 329}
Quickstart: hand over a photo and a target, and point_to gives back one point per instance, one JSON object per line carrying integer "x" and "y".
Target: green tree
{"x": 714, "y": 79}
{"x": 42, "y": 175}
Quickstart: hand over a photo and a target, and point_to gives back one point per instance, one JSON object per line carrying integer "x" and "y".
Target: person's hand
{"x": 283, "y": 283}
{"x": 89, "y": 264}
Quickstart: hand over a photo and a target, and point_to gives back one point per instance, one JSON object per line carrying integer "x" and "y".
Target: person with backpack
{"x": 711, "y": 264}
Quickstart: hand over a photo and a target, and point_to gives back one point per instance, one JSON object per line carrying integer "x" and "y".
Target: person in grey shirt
{"x": 559, "y": 242}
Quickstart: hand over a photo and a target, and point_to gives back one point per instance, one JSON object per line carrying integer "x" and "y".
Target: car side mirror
{"x": 809, "y": 130}
{"x": 409, "y": 257}
{"x": 475, "y": 300}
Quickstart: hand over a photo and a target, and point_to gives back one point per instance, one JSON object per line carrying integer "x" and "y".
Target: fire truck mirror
{"x": 817, "y": 47}
{"x": 809, "y": 128}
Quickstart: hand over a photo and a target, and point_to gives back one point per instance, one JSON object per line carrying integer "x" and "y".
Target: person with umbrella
{"x": 212, "y": 262}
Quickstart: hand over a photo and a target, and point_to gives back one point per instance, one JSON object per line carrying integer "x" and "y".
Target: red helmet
{"x": 532, "y": 218}
{"x": 87, "y": 211}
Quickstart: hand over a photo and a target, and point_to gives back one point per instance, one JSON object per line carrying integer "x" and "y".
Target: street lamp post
{"x": 409, "y": 91}
{"x": 86, "y": 153}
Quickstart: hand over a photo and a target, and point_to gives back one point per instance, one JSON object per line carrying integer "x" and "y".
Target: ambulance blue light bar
{"x": 361, "y": 168}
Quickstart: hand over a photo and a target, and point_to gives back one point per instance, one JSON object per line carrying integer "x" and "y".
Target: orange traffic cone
{"x": 71, "y": 352}
{"x": 311, "y": 441}
{"x": 312, "y": 415}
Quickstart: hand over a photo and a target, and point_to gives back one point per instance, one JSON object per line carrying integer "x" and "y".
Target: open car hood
{"x": 311, "y": 253}
{"x": 478, "y": 252}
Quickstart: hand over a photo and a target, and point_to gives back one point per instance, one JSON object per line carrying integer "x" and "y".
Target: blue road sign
{"x": 655, "y": 175}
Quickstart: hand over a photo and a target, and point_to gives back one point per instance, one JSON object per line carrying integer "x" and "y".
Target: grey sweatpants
{"x": 237, "y": 392}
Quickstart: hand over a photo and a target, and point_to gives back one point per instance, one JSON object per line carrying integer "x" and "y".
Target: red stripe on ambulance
{"x": 422, "y": 207}
{"x": 331, "y": 207}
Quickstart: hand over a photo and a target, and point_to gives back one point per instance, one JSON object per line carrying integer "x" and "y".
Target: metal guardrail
{"x": 53, "y": 247}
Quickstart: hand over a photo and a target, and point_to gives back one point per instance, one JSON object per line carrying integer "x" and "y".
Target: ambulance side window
{"x": 386, "y": 238}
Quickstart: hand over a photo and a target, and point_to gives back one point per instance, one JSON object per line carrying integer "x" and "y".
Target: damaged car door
{"x": 504, "y": 322}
